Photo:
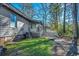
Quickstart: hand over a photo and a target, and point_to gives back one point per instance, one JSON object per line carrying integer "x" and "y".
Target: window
{"x": 13, "y": 22}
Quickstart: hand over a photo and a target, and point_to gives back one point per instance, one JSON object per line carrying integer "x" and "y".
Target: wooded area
{"x": 50, "y": 22}
{"x": 62, "y": 18}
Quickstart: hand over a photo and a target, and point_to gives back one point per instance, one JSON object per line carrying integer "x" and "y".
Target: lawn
{"x": 31, "y": 47}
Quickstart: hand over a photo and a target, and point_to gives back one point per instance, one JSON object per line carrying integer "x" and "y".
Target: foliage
{"x": 55, "y": 10}
{"x": 69, "y": 30}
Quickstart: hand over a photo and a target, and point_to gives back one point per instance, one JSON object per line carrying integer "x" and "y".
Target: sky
{"x": 36, "y": 5}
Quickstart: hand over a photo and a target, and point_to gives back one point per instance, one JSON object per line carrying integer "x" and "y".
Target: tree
{"x": 28, "y": 10}
{"x": 64, "y": 18}
{"x": 45, "y": 13}
{"x": 42, "y": 13}
{"x": 75, "y": 23}
{"x": 75, "y": 26}
{"x": 55, "y": 10}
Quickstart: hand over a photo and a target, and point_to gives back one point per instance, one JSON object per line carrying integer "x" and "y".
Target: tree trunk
{"x": 56, "y": 22}
{"x": 75, "y": 26}
{"x": 75, "y": 23}
{"x": 64, "y": 18}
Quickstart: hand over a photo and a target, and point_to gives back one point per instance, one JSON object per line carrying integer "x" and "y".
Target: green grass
{"x": 31, "y": 47}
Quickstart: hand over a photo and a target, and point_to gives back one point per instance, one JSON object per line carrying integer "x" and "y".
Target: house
{"x": 15, "y": 24}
